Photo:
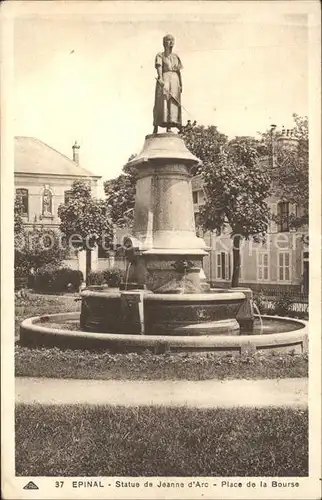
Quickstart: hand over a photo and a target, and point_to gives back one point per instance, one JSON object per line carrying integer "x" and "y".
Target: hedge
{"x": 62, "y": 279}
{"x": 111, "y": 277}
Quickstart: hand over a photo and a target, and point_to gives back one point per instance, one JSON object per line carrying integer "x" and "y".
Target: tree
{"x": 203, "y": 142}
{"x": 18, "y": 221}
{"x": 290, "y": 169}
{"x": 235, "y": 185}
{"x": 291, "y": 183}
{"x": 120, "y": 196}
{"x": 37, "y": 247}
{"x": 85, "y": 221}
{"x": 34, "y": 247}
{"x": 120, "y": 192}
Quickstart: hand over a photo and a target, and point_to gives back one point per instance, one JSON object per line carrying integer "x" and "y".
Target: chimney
{"x": 76, "y": 153}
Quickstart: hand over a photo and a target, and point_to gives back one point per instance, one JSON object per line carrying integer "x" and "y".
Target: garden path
{"x": 198, "y": 394}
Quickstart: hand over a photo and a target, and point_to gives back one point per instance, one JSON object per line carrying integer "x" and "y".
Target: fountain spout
{"x": 255, "y": 306}
{"x": 127, "y": 273}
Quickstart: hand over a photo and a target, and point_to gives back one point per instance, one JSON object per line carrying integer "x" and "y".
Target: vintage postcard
{"x": 161, "y": 246}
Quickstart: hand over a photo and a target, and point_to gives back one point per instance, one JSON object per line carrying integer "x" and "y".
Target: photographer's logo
{"x": 31, "y": 486}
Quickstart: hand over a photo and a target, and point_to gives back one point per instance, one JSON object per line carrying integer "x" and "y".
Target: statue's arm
{"x": 158, "y": 66}
{"x": 180, "y": 80}
{"x": 179, "y": 72}
{"x": 159, "y": 72}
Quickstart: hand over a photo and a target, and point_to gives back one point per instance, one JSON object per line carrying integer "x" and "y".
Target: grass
{"x": 56, "y": 363}
{"x": 154, "y": 441}
{"x": 159, "y": 441}
{"x": 36, "y": 305}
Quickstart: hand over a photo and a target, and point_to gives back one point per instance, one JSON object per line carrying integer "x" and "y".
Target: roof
{"x": 33, "y": 156}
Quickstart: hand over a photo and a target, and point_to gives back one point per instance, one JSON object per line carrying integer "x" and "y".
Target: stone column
{"x": 95, "y": 258}
{"x": 164, "y": 226}
{"x": 82, "y": 262}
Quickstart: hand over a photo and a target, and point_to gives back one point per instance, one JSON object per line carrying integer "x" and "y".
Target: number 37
{"x": 59, "y": 484}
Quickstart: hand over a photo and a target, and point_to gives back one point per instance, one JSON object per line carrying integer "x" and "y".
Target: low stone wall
{"x": 267, "y": 288}
{"x": 37, "y": 332}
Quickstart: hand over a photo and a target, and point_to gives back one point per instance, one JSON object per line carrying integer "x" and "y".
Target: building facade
{"x": 282, "y": 262}
{"x": 43, "y": 178}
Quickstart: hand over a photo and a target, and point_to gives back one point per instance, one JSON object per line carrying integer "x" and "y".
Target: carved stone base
{"x": 144, "y": 312}
{"x": 159, "y": 274}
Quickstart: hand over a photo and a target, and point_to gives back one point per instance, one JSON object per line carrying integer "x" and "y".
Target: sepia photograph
{"x": 161, "y": 260}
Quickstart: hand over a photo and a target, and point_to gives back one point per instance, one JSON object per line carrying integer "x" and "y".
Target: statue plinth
{"x": 165, "y": 146}
{"x": 164, "y": 224}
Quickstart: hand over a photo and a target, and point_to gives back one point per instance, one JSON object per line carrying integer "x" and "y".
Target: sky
{"x": 91, "y": 78}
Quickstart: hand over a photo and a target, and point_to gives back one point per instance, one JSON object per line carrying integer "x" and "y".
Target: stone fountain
{"x": 164, "y": 302}
{"x": 163, "y": 293}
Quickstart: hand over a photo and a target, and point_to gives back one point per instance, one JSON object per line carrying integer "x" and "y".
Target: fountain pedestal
{"x": 164, "y": 225}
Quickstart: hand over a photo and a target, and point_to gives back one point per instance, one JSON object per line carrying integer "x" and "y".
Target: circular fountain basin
{"x": 211, "y": 313}
{"x": 62, "y": 330}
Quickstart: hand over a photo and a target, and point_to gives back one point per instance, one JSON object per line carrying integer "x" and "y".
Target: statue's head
{"x": 168, "y": 41}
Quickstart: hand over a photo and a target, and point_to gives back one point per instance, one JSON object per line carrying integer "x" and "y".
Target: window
{"x": 104, "y": 248}
{"x": 198, "y": 225}
{"x": 284, "y": 266}
{"x": 195, "y": 197}
{"x": 305, "y": 273}
{"x": 22, "y": 194}
{"x": 67, "y": 196}
{"x": 223, "y": 266}
{"x": 102, "y": 253}
{"x": 273, "y": 223}
{"x": 283, "y": 212}
{"x": 262, "y": 266}
{"x": 201, "y": 197}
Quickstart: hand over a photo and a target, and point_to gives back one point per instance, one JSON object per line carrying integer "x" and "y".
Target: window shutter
{"x": 223, "y": 265}
{"x": 265, "y": 271}
{"x": 273, "y": 225}
{"x": 228, "y": 267}
{"x": 218, "y": 266}
{"x": 241, "y": 268}
{"x": 293, "y": 212}
{"x": 281, "y": 260}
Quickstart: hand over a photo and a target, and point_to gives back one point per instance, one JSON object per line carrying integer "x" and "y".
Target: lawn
{"x": 56, "y": 363}
{"x": 37, "y": 304}
{"x": 158, "y": 441}
{"x": 77, "y": 440}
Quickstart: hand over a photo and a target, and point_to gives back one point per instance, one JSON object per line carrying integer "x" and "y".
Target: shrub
{"x": 44, "y": 278}
{"x": 96, "y": 278}
{"x": 76, "y": 278}
{"x": 67, "y": 279}
{"x": 283, "y": 305}
{"x": 260, "y": 300}
{"x": 113, "y": 277}
{"x": 53, "y": 279}
{"x": 21, "y": 271}
{"x": 31, "y": 250}
{"x": 21, "y": 277}
{"x": 20, "y": 283}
